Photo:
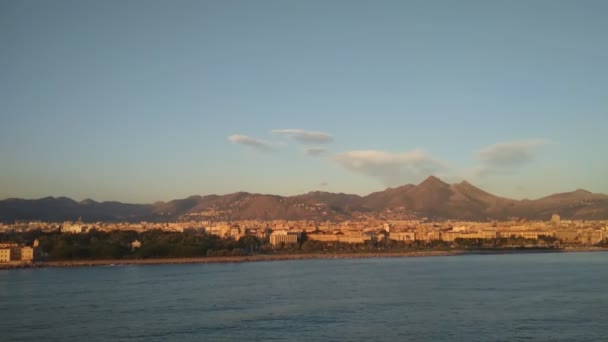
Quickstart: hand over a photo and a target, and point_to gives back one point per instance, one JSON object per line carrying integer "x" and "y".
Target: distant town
{"x": 31, "y": 241}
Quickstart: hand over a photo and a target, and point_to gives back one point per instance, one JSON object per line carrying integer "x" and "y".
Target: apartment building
{"x": 285, "y": 237}
{"x": 402, "y": 236}
{"x": 5, "y": 254}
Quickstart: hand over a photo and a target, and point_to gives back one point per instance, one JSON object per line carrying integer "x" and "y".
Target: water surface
{"x": 522, "y": 297}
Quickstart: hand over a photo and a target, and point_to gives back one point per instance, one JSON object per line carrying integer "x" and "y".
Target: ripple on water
{"x": 473, "y": 298}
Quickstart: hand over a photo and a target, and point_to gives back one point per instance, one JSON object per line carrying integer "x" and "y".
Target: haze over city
{"x": 147, "y": 101}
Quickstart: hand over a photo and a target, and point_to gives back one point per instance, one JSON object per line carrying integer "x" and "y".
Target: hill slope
{"x": 432, "y": 198}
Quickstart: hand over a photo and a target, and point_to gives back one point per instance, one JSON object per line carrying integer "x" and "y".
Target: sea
{"x": 511, "y": 297}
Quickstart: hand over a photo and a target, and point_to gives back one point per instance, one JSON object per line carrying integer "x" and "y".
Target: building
{"x": 591, "y": 237}
{"x": 73, "y": 227}
{"x": 14, "y": 252}
{"x": 236, "y": 232}
{"x": 402, "y": 236}
{"x": 353, "y": 238}
{"x": 527, "y": 234}
{"x": 323, "y": 237}
{"x": 135, "y": 244}
{"x": 555, "y": 219}
{"x": 5, "y": 254}
{"x": 567, "y": 236}
{"x": 27, "y": 254}
{"x": 346, "y": 238}
{"x": 284, "y": 237}
{"x": 482, "y": 235}
{"x": 430, "y": 236}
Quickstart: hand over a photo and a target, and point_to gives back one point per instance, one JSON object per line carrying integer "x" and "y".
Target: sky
{"x": 143, "y": 101}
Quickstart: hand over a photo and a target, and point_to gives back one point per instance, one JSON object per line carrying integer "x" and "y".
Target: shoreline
{"x": 287, "y": 257}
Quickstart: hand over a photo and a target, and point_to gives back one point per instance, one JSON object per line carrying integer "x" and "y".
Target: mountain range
{"x": 432, "y": 199}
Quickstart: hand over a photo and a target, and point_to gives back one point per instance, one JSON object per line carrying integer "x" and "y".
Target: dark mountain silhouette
{"x": 433, "y": 199}
{"x": 62, "y": 208}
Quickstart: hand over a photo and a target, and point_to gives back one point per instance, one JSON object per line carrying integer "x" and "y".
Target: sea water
{"x": 515, "y": 297}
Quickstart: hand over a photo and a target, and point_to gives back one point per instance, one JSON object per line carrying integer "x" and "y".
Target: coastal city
{"x": 397, "y": 170}
{"x": 555, "y": 232}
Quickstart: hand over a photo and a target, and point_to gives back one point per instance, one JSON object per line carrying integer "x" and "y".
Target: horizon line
{"x": 431, "y": 177}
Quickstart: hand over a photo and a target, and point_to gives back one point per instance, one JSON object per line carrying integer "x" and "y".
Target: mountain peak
{"x": 466, "y": 186}
{"x": 432, "y": 181}
{"x": 578, "y": 193}
{"x": 432, "y": 198}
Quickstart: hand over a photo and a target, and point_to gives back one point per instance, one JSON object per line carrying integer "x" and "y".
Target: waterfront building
{"x": 27, "y": 254}
{"x": 15, "y": 252}
{"x": 346, "y": 238}
{"x": 284, "y": 237}
{"x": 5, "y": 254}
{"x": 527, "y": 234}
{"x": 354, "y": 238}
{"x": 591, "y": 237}
{"x": 323, "y": 237}
{"x": 567, "y": 236}
{"x": 483, "y": 235}
{"x": 402, "y": 236}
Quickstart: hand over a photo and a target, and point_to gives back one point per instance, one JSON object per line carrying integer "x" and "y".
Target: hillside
{"x": 433, "y": 199}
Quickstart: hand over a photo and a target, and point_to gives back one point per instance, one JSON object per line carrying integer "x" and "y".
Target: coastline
{"x": 286, "y": 257}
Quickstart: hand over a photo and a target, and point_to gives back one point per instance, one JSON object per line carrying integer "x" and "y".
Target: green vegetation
{"x": 117, "y": 244}
{"x": 99, "y": 245}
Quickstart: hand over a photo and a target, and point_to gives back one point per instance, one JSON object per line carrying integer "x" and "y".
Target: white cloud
{"x": 510, "y": 153}
{"x": 504, "y": 157}
{"x": 315, "y": 151}
{"x": 391, "y": 168}
{"x": 304, "y": 136}
{"x": 256, "y": 143}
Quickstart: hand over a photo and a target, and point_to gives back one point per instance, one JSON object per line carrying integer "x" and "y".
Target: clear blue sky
{"x": 142, "y": 101}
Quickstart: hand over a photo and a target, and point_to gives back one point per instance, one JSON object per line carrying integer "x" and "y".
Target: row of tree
{"x": 118, "y": 244}
{"x": 160, "y": 244}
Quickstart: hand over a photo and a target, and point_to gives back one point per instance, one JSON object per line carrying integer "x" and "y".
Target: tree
{"x": 250, "y": 243}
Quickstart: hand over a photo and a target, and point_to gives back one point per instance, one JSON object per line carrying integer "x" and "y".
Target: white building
{"x": 285, "y": 237}
{"x": 73, "y": 227}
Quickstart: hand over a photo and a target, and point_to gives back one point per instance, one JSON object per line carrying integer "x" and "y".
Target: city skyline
{"x": 188, "y": 98}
